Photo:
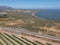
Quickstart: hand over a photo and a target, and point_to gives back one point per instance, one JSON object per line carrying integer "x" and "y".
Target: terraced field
{"x": 11, "y": 39}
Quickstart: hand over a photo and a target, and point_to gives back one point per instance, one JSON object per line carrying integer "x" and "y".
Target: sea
{"x": 50, "y": 14}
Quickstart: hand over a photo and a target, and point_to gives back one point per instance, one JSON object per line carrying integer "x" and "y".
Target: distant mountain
{"x": 11, "y": 8}
{"x": 6, "y": 8}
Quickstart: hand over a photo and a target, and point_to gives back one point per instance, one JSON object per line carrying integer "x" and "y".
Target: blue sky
{"x": 44, "y": 4}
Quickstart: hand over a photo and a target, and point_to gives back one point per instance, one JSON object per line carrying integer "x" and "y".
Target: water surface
{"x": 49, "y": 14}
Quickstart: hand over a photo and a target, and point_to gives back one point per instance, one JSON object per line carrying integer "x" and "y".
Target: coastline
{"x": 33, "y": 14}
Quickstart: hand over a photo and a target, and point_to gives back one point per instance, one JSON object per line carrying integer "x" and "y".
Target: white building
{"x": 2, "y": 14}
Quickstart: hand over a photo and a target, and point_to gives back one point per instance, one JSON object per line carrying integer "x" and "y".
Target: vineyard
{"x": 7, "y": 39}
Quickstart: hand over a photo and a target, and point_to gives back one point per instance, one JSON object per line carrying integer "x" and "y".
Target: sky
{"x": 40, "y": 4}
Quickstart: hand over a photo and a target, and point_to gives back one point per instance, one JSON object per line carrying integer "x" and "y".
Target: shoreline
{"x": 33, "y": 14}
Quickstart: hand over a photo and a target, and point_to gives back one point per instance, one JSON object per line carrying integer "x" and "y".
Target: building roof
{"x": 2, "y": 13}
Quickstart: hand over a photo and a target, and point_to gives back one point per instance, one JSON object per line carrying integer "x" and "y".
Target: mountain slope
{"x": 6, "y": 8}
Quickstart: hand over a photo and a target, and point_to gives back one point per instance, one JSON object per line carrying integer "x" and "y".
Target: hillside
{"x": 25, "y": 19}
{"x": 17, "y": 19}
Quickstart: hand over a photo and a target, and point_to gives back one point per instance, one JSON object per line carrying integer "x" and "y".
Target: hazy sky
{"x": 31, "y": 3}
